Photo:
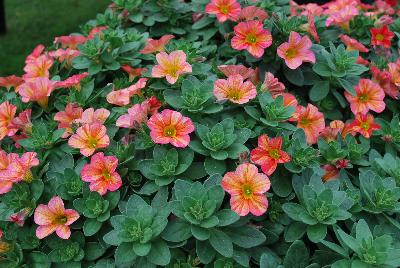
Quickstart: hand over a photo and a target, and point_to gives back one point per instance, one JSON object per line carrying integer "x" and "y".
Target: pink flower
{"x": 37, "y": 51}
{"x": 10, "y": 81}
{"x": 38, "y": 89}
{"x": 272, "y": 85}
{"x": 38, "y": 67}
{"x": 234, "y": 89}
{"x": 364, "y": 124}
{"x": 122, "y": 97}
{"x": 224, "y": 9}
{"x": 251, "y": 35}
{"x": 246, "y": 73}
{"x": 253, "y": 13}
{"x": 90, "y": 116}
{"x": 7, "y": 113}
{"x": 73, "y": 81}
{"x": 67, "y": 118}
{"x": 296, "y": 51}
{"x": 101, "y": 174}
{"x": 352, "y": 44}
{"x": 311, "y": 121}
{"x": 19, "y": 218}
{"x": 96, "y": 31}
{"x": 64, "y": 55}
{"x": 154, "y": 45}
{"x": 54, "y": 218}
{"x": 89, "y": 137}
{"x": 171, "y": 66}
{"x": 137, "y": 114}
{"x": 342, "y": 17}
{"x": 170, "y": 127}
{"x": 133, "y": 72}
{"x": 71, "y": 41}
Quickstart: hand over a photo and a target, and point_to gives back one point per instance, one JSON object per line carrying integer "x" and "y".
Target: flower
{"x": 312, "y": 30}
{"x": 253, "y": 13}
{"x": 352, "y": 44}
{"x": 101, "y": 174}
{"x": 364, "y": 124}
{"x": 331, "y": 173}
{"x": 394, "y": 71}
{"x": 133, "y": 72}
{"x": 73, "y": 81}
{"x": 19, "y": 217}
{"x": 54, "y": 218}
{"x": 246, "y": 73}
{"x": 171, "y": 66}
{"x": 66, "y": 118}
{"x": 251, "y": 35}
{"x": 90, "y": 116}
{"x": 96, "y": 31}
{"x": 381, "y": 36}
{"x": 10, "y": 81}
{"x": 288, "y": 99}
{"x": 247, "y": 188}
{"x": 6, "y": 183}
{"x": 224, "y": 9}
{"x": 138, "y": 113}
{"x": 89, "y": 137}
{"x": 64, "y": 55}
{"x": 268, "y": 154}
{"x": 272, "y": 85}
{"x": 123, "y": 96}
{"x": 330, "y": 133}
{"x": 7, "y": 113}
{"x": 37, "y": 89}
{"x": 342, "y": 17}
{"x": 22, "y": 122}
{"x": 37, "y": 51}
{"x": 384, "y": 79}
{"x": 296, "y": 51}
{"x": 234, "y": 89}
{"x": 170, "y": 127}
{"x": 38, "y": 67}
{"x": 70, "y": 41}
{"x": 310, "y": 120}
{"x": 154, "y": 45}
{"x": 19, "y": 168}
{"x": 369, "y": 96}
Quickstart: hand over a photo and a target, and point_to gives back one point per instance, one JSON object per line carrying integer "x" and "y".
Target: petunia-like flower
{"x": 234, "y": 89}
{"x": 96, "y": 31}
{"x": 70, "y": 41}
{"x": 342, "y": 17}
{"x": 73, "y": 81}
{"x": 122, "y": 97}
{"x": 65, "y": 55}
{"x": 154, "y": 45}
{"x": 170, "y": 127}
{"x": 171, "y": 66}
{"x": 253, "y": 13}
{"x": 364, "y": 124}
{"x": 20, "y": 167}
{"x": 246, "y": 73}
{"x": 331, "y": 133}
{"x": 19, "y": 217}
{"x": 89, "y": 137}
{"x": 381, "y": 36}
{"x": 224, "y": 9}
{"x": 36, "y": 53}
{"x": 384, "y": 79}
{"x": 7, "y": 113}
{"x": 352, "y": 44}
{"x": 10, "y": 81}
{"x": 37, "y": 89}
{"x": 53, "y": 217}
{"x": 310, "y": 120}
{"x": 288, "y": 99}
{"x": 67, "y": 118}
{"x": 369, "y": 96}
{"x": 272, "y": 85}
{"x": 101, "y": 174}
{"x": 23, "y": 121}
{"x": 331, "y": 173}
{"x": 247, "y": 188}
{"x": 269, "y": 154}
{"x": 296, "y": 51}
{"x": 133, "y": 72}
{"x": 6, "y": 183}
{"x": 394, "y": 71}
{"x": 38, "y": 67}
{"x": 90, "y": 116}
{"x": 251, "y": 36}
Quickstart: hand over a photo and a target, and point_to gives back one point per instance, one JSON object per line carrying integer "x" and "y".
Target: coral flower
{"x": 296, "y": 51}
{"x": 66, "y": 118}
{"x": 89, "y": 137}
{"x": 170, "y": 127}
{"x": 364, "y": 124}
{"x": 171, "y": 66}
{"x": 224, "y": 9}
{"x": 311, "y": 121}
{"x": 234, "y": 89}
{"x": 269, "y": 154}
{"x": 246, "y": 73}
{"x": 331, "y": 173}
{"x": 96, "y": 31}
{"x": 101, "y": 174}
{"x": 352, "y": 44}
{"x": 64, "y": 55}
{"x": 73, "y": 81}
{"x": 384, "y": 79}
{"x": 342, "y": 17}
{"x": 70, "y": 41}
{"x": 154, "y": 45}
{"x": 10, "y": 81}
{"x": 38, "y": 89}
{"x": 288, "y": 99}
{"x": 133, "y": 72}
{"x": 54, "y": 218}
{"x": 330, "y": 133}
{"x": 251, "y": 35}
{"x": 6, "y": 182}
{"x": 20, "y": 167}
{"x": 36, "y": 53}
{"x": 253, "y": 13}
{"x": 381, "y": 36}
{"x": 90, "y": 116}
{"x": 369, "y": 96}
{"x": 7, "y": 113}
{"x": 394, "y": 71}
{"x": 138, "y": 113}
{"x": 19, "y": 217}
{"x": 122, "y": 97}
{"x": 247, "y": 188}
{"x": 38, "y": 67}
{"x": 272, "y": 85}
{"x": 22, "y": 122}
{"x": 311, "y": 29}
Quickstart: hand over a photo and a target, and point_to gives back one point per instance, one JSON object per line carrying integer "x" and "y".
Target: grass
{"x": 33, "y": 22}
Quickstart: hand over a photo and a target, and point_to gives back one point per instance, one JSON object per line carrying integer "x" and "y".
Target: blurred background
{"x": 33, "y": 22}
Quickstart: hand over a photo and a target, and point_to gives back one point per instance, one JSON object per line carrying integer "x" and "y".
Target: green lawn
{"x": 31, "y": 22}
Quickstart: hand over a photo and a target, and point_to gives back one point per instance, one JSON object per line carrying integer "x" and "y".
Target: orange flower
{"x": 38, "y": 67}
{"x": 66, "y": 119}
{"x": 96, "y": 31}
{"x": 385, "y": 79}
{"x": 171, "y": 66}
{"x": 37, "y": 89}
{"x": 234, "y": 89}
{"x": 10, "y": 81}
{"x": 369, "y": 96}
{"x": 170, "y": 127}
{"x": 154, "y": 45}
{"x": 253, "y": 13}
{"x": 331, "y": 173}
{"x": 133, "y": 72}
{"x": 122, "y": 97}
{"x": 364, "y": 124}
{"x": 394, "y": 71}
{"x": 90, "y": 116}
{"x": 7, "y": 113}
{"x": 224, "y": 9}
{"x": 37, "y": 51}
{"x": 311, "y": 121}
{"x": 330, "y": 133}
{"x": 73, "y": 81}
{"x": 272, "y": 85}
{"x": 352, "y": 44}
{"x": 54, "y": 218}
{"x": 381, "y": 36}
{"x": 268, "y": 154}
{"x": 64, "y": 55}
{"x": 89, "y": 137}
{"x": 71, "y": 41}
{"x": 296, "y": 51}
{"x": 252, "y": 36}
{"x": 246, "y": 73}
{"x": 101, "y": 174}
{"x": 247, "y": 188}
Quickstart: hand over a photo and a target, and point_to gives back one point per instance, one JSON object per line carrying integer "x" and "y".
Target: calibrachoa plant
{"x": 223, "y": 133}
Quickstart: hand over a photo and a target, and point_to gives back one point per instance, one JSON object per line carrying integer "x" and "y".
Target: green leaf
{"x": 205, "y": 251}
{"x": 295, "y": 76}
{"x": 221, "y": 242}
{"x": 267, "y": 260}
{"x": 39, "y": 260}
{"x": 297, "y": 256}
{"x": 348, "y": 86}
{"x": 124, "y": 253}
{"x": 91, "y": 226}
{"x": 214, "y": 166}
{"x": 294, "y": 231}
{"x": 200, "y": 233}
{"x": 319, "y": 91}
{"x": 227, "y": 217}
{"x": 159, "y": 253}
{"x": 177, "y": 231}
{"x": 202, "y": 23}
{"x": 141, "y": 249}
{"x": 246, "y": 236}
{"x": 316, "y": 232}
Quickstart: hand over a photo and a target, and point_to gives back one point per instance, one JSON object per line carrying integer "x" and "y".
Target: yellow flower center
{"x": 28, "y": 177}
{"x": 251, "y": 38}
{"x": 247, "y": 191}
{"x": 4, "y": 247}
{"x": 291, "y": 53}
{"x": 363, "y": 98}
{"x": 304, "y": 121}
{"x": 169, "y": 131}
{"x": 274, "y": 153}
{"x": 234, "y": 95}
{"x": 224, "y": 9}
{"x": 61, "y": 219}
{"x": 172, "y": 70}
{"x": 106, "y": 175}
{"x": 364, "y": 125}
{"x": 380, "y": 37}
{"x": 92, "y": 142}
